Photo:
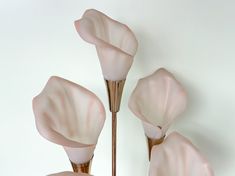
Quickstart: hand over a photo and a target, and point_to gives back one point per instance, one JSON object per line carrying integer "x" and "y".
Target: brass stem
{"x": 82, "y": 168}
{"x": 114, "y": 142}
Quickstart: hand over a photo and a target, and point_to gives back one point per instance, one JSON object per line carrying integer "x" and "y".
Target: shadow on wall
{"x": 149, "y": 55}
{"x": 213, "y": 148}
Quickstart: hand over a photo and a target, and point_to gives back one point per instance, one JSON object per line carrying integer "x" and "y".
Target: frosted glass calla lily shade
{"x": 69, "y": 174}
{"x": 69, "y": 115}
{"x": 177, "y": 156}
{"x": 157, "y": 100}
{"x": 115, "y": 43}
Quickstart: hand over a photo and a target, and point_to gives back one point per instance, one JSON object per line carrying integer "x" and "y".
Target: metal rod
{"x": 114, "y": 140}
{"x": 114, "y": 90}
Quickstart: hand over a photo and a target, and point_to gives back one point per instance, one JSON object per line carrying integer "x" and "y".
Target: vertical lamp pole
{"x": 114, "y": 90}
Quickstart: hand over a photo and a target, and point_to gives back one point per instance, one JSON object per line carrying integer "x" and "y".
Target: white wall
{"x": 194, "y": 39}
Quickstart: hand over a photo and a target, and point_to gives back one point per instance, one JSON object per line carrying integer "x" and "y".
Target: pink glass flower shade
{"x": 69, "y": 115}
{"x": 115, "y": 43}
{"x": 177, "y": 156}
{"x": 69, "y": 174}
{"x": 157, "y": 100}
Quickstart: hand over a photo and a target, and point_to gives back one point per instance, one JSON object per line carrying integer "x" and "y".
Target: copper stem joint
{"x": 82, "y": 168}
{"x": 114, "y": 90}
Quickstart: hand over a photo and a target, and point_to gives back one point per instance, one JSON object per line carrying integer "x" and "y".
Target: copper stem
{"x": 114, "y": 90}
{"x": 82, "y": 168}
{"x": 114, "y": 140}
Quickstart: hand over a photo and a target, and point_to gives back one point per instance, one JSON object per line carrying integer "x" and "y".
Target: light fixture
{"x": 72, "y": 116}
{"x": 116, "y": 46}
{"x": 157, "y": 100}
{"x": 177, "y": 156}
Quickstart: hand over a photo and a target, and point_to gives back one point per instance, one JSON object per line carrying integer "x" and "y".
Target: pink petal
{"x": 177, "y": 156}
{"x": 69, "y": 115}
{"x": 115, "y": 43}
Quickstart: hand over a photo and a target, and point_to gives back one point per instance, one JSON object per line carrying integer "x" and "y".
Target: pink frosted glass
{"x": 69, "y": 115}
{"x": 177, "y": 156}
{"x": 115, "y": 43}
{"x": 158, "y": 100}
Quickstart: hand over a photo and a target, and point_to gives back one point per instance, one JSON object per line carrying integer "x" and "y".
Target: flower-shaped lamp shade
{"x": 69, "y": 115}
{"x": 69, "y": 174}
{"x": 157, "y": 100}
{"x": 177, "y": 156}
{"x": 115, "y": 43}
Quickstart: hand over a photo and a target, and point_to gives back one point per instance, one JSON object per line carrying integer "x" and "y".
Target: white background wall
{"x": 194, "y": 39}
